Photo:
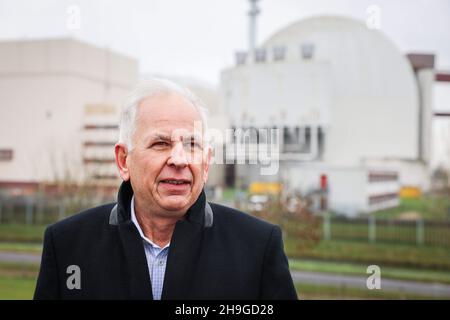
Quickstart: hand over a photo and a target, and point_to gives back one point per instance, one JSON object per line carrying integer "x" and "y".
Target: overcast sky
{"x": 198, "y": 38}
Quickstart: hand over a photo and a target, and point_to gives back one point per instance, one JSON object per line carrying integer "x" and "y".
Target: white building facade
{"x": 348, "y": 105}
{"x": 60, "y": 105}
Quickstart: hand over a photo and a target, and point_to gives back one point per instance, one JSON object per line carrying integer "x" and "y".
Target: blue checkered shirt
{"x": 156, "y": 258}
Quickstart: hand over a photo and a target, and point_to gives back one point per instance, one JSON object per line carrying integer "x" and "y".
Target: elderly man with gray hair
{"x": 163, "y": 239}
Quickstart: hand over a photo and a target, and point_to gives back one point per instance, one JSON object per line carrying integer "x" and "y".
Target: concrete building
{"x": 60, "y": 103}
{"x": 349, "y": 105}
{"x": 441, "y": 124}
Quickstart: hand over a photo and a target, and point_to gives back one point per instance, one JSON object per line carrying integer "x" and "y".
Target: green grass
{"x": 432, "y": 207}
{"x": 317, "y": 292}
{"x": 21, "y": 247}
{"x": 228, "y": 194}
{"x": 17, "y": 280}
{"x": 360, "y": 270}
{"x": 15, "y": 288}
{"x": 21, "y": 233}
{"x": 408, "y": 256}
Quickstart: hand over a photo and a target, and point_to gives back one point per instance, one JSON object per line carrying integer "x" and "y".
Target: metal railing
{"x": 376, "y": 230}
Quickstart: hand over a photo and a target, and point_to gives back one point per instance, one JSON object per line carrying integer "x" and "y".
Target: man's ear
{"x": 206, "y": 164}
{"x": 121, "y": 152}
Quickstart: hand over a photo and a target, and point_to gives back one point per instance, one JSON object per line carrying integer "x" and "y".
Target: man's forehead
{"x": 175, "y": 134}
{"x": 168, "y": 107}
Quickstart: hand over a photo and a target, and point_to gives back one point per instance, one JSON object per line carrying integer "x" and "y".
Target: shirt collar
{"x": 195, "y": 214}
{"x": 136, "y": 223}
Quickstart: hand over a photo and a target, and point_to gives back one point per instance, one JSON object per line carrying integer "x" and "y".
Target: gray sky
{"x": 198, "y": 38}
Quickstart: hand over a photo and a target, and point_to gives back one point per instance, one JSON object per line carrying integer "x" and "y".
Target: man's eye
{"x": 159, "y": 144}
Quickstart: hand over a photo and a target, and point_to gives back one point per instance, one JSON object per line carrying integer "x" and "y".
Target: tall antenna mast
{"x": 253, "y": 13}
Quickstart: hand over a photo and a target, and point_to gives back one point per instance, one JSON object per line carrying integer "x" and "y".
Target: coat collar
{"x": 200, "y": 212}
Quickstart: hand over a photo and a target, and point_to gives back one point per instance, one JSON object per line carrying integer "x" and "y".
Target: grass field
{"x": 393, "y": 255}
{"x": 426, "y": 263}
{"x": 21, "y": 247}
{"x": 322, "y": 292}
{"x": 344, "y": 268}
{"x": 433, "y": 207}
{"x": 21, "y": 233}
{"x": 17, "y": 281}
{"x": 28, "y": 238}
{"x": 392, "y": 232}
{"x": 15, "y": 288}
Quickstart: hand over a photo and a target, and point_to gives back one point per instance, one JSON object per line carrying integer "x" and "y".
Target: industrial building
{"x": 60, "y": 104}
{"x": 354, "y": 113}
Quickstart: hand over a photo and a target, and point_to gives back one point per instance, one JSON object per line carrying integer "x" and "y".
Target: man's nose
{"x": 178, "y": 156}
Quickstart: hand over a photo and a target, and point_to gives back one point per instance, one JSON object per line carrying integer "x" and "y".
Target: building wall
{"x": 351, "y": 190}
{"x": 277, "y": 93}
{"x": 440, "y": 149}
{"x": 374, "y": 110}
{"x": 45, "y": 87}
{"x": 352, "y": 82}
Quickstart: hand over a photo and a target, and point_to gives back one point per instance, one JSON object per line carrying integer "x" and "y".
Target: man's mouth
{"x": 175, "y": 181}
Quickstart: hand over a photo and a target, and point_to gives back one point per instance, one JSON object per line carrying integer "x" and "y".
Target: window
{"x": 260, "y": 55}
{"x": 279, "y": 53}
{"x": 6, "y": 154}
{"x": 307, "y": 51}
{"x": 241, "y": 57}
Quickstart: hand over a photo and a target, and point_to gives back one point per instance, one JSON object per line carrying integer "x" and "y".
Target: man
{"x": 163, "y": 240}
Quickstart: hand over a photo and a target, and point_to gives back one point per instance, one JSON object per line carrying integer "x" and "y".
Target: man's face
{"x": 168, "y": 165}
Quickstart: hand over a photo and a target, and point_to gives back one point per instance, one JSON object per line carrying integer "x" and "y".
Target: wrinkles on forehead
{"x": 174, "y": 136}
{"x": 168, "y": 107}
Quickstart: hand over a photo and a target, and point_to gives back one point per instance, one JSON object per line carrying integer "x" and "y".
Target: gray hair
{"x": 151, "y": 88}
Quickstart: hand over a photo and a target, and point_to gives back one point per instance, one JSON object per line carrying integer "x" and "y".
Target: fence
{"x": 32, "y": 212}
{"x": 370, "y": 229}
{"x": 373, "y": 230}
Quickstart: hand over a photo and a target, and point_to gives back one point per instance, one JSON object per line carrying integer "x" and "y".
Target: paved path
{"x": 429, "y": 289}
{"x": 20, "y": 257}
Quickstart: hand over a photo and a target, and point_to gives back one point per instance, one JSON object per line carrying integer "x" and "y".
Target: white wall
{"x": 282, "y": 93}
{"x": 44, "y": 88}
{"x": 440, "y": 150}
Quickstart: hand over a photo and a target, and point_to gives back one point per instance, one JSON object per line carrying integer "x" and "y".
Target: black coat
{"x": 215, "y": 253}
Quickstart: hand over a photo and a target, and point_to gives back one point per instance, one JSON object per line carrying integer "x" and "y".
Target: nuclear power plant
{"x": 353, "y": 115}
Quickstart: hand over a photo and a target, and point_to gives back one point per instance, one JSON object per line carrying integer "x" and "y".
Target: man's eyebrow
{"x": 157, "y": 136}
{"x": 160, "y": 136}
{"x": 165, "y": 137}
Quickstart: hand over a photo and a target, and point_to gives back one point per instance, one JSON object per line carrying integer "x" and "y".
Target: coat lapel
{"x": 184, "y": 252}
{"x": 138, "y": 278}
{"x": 182, "y": 260}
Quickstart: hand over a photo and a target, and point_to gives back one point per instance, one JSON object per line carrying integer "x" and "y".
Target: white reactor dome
{"x": 374, "y": 109}
{"x": 364, "y": 61}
